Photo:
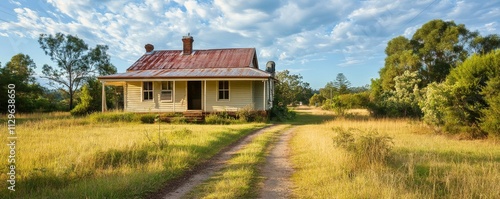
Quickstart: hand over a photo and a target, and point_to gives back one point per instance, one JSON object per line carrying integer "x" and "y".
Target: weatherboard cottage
{"x": 187, "y": 80}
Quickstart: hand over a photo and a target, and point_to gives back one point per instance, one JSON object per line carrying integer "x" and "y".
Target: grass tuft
{"x": 367, "y": 149}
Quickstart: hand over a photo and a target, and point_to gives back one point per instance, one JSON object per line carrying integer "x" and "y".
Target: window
{"x": 147, "y": 90}
{"x": 166, "y": 91}
{"x": 223, "y": 90}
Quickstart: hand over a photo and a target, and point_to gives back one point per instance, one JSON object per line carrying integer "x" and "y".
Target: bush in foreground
{"x": 368, "y": 149}
{"x": 281, "y": 113}
{"x": 219, "y": 118}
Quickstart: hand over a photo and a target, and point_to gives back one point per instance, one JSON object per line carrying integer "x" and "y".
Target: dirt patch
{"x": 179, "y": 187}
{"x": 278, "y": 169}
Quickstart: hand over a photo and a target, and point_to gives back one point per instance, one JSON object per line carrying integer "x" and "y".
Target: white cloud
{"x": 461, "y": 8}
{"x": 17, "y": 3}
{"x": 490, "y": 27}
{"x": 70, "y": 8}
{"x": 408, "y": 33}
{"x": 350, "y": 61}
{"x": 283, "y": 56}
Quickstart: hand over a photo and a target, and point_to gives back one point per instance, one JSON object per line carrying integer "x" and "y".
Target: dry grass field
{"x": 420, "y": 164}
{"x": 58, "y": 156}
{"x": 64, "y": 157}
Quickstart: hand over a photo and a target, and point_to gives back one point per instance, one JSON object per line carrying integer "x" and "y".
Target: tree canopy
{"x": 19, "y": 71}
{"x": 291, "y": 89}
{"x": 433, "y": 51}
{"x": 75, "y": 62}
{"x": 22, "y": 67}
{"x": 341, "y": 84}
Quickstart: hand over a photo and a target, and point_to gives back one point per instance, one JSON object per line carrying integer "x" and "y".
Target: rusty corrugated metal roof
{"x": 214, "y": 58}
{"x": 191, "y": 73}
{"x": 214, "y": 63}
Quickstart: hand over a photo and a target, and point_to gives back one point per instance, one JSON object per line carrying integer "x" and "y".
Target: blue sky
{"x": 314, "y": 38}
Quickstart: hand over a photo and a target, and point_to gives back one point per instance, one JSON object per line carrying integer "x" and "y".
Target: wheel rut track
{"x": 181, "y": 185}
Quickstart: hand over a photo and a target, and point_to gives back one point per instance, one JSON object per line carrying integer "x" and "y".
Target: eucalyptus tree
{"x": 75, "y": 62}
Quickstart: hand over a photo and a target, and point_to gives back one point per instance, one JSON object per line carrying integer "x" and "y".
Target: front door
{"x": 194, "y": 95}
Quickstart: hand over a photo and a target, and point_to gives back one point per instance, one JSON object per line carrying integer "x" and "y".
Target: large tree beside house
{"x": 75, "y": 62}
{"x": 195, "y": 81}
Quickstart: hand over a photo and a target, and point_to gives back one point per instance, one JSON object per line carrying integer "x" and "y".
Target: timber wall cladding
{"x": 136, "y": 104}
{"x": 240, "y": 95}
{"x": 258, "y": 98}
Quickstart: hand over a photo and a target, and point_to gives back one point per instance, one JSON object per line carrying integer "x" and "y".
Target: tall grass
{"x": 65, "y": 157}
{"x": 420, "y": 164}
{"x": 239, "y": 178}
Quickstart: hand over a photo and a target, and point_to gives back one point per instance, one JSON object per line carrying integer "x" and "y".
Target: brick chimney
{"x": 149, "y": 48}
{"x": 187, "y": 42}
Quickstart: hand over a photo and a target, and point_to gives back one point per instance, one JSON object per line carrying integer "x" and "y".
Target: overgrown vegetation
{"x": 219, "y": 118}
{"x": 247, "y": 114}
{"x": 84, "y": 106}
{"x": 367, "y": 149}
{"x": 281, "y": 113}
{"x": 467, "y": 101}
{"x": 111, "y": 117}
{"x": 149, "y": 118}
{"x": 444, "y": 74}
{"x": 420, "y": 164}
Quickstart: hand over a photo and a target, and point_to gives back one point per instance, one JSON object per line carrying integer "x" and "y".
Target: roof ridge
{"x": 207, "y": 49}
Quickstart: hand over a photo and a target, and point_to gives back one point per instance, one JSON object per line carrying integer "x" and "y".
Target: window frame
{"x": 219, "y": 90}
{"x": 171, "y": 90}
{"x": 146, "y": 90}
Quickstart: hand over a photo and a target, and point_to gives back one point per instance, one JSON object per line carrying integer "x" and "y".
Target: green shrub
{"x": 260, "y": 117}
{"x": 247, "y": 114}
{"x": 316, "y": 100}
{"x": 472, "y": 93}
{"x": 279, "y": 112}
{"x": 367, "y": 149}
{"x": 148, "y": 118}
{"x": 434, "y": 104}
{"x": 490, "y": 122}
{"x": 113, "y": 117}
{"x": 218, "y": 118}
{"x": 84, "y": 106}
{"x": 79, "y": 110}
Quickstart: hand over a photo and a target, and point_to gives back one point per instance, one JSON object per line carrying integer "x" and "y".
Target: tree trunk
{"x": 70, "y": 99}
